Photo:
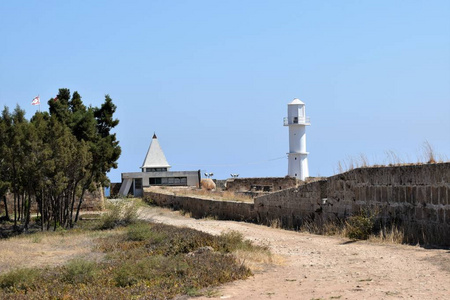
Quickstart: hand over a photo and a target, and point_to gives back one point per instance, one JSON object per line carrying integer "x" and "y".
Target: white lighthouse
{"x": 297, "y": 156}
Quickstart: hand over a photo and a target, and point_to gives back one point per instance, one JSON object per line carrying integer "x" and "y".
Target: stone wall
{"x": 261, "y": 184}
{"x": 201, "y": 208}
{"x": 415, "y": 198}
{"x": 291, "y": 207}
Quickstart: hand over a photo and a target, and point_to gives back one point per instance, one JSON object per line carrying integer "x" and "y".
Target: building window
{"x": 138, "y": 183}
{"x": 168, "y": 181}
{"x": 155, "y": 181}
{"x": 155, "y": 169}
{"x": 295, "y": 120}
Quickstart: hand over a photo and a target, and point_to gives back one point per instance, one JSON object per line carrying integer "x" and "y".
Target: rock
{"x": 208, "y": 184}
{"x": 201, "y": 250}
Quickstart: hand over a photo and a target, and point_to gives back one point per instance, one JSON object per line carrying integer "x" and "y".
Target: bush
{"x": 21, "y": 279}
{"x": 360, "y": 227}
{"x": 234, "y": 240}
{"x": 143, "y": 232}
{"x": 119, "y": 214}
{"x": 79, "y": 271}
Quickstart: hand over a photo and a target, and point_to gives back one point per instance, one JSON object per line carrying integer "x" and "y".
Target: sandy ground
{"x": 319, "y": 267}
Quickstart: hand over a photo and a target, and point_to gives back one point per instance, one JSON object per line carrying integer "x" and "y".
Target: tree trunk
{"x": 6, "y": 208}
{"x": 15, "y": 210}
{"x": 79, "y": 205}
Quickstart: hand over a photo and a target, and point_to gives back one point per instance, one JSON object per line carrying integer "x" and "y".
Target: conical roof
{"x": 296, "y": 101}
{"x": 155, "y": 157}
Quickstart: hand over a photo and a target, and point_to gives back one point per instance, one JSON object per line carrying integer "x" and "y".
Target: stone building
{"x": 155, "y": 171}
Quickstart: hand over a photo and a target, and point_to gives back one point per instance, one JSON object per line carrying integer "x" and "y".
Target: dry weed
{"x": 394, "y": 235}
{"x": 275, "y": 223}
{"x": 258, "y": 260}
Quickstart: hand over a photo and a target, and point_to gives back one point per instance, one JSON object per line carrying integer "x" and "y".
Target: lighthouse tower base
{"x": 298, "y": 165}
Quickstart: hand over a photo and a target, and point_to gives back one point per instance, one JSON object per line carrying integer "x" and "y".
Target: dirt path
{"x": 319, "y": 267}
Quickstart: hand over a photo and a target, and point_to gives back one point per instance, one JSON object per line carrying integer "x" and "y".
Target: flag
{"x": 36, "y": 101}
{"x": 55, "y": 99}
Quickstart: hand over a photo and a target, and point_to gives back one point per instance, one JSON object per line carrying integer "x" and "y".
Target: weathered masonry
{"x": 415, "y": 198}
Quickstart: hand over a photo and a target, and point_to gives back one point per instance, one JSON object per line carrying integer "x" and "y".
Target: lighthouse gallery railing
{"x": 296, "y": 120}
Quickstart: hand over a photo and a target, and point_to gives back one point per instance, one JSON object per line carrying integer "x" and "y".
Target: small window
{"x": 295, "y": 120}
{"x": 138, "y": 183}
{"x": 155, "y": 181}
{"x": 155, "y": 169}
{"x": 295, "y": 158}
{"x": 295, "y": 174}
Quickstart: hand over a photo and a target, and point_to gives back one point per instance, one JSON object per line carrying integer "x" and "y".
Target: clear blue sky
{"x": 212, "y": 78}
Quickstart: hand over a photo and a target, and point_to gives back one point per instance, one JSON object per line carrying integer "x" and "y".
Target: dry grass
{"x": 357, "y": 227}
{"x": 259, "y": 260}
{"x": 204, "y": 194}
{"x": 394, "y": 235}
{"x": 427, "y": 156}
{"x": 47, "y": 248}
{"x": 275, "y": 223}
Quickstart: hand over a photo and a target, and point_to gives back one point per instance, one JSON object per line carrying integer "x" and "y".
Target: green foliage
{"x": 79, "y": 271}
{"x": 360, "y": 226}
{"x": 56, "y": 156}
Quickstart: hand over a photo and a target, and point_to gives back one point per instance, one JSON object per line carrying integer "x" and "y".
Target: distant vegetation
{"x": 55, "y": 157}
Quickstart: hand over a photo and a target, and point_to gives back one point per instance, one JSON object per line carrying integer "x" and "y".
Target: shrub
{"x": 126, "y": 275}
{"x": 79, "y": 271}
{"x": 20, "y": 279}
{"x": 140, "y": 232}
{"x": 234, "y": 240}
{"x": 360, "y": 226}
{"x": 119, "y": 214}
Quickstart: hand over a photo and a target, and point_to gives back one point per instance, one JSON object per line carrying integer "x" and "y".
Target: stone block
{"x": 428, "y": 198}
{"x": 389, "y": 193}
{"x": 369, "y": 193}
{"x": 441, "y": 215}
{"x": 434, "y": 195}
{"x": 362, "y": 193}
{"x": 431, "y": 214}
{"x": 443, "y": 195}
{"x": 401, "y": 194}
{"x": 419, "y": 213}
{"x": 411, "y": 195}
{"x": 383, "y": 197}
{"x": 395, "y": 194}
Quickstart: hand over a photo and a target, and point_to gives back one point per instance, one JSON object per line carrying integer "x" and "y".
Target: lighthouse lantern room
{"x": 297, "y": 156}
